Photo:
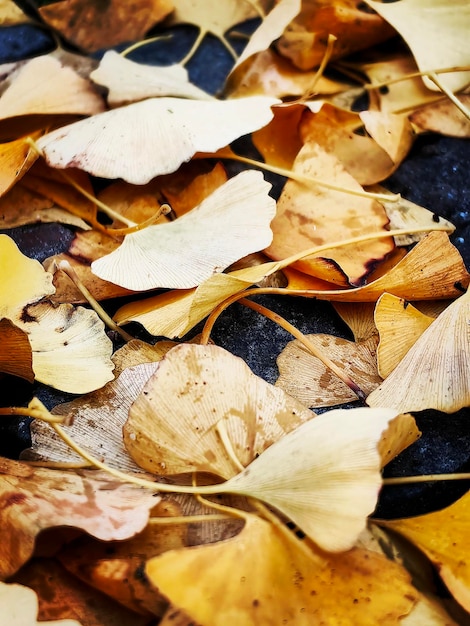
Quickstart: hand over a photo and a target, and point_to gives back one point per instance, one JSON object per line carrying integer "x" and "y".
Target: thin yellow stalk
{"x": 64, "y": 266}
{"x": 424, "y": 478}
{"x": 306, "y": 180}
{"x": 452, "y": 97}
{"x": 141, "y": 44}
{"x": 417, "y": 74}
{"x": 309, "y": 92}
{"x": 310, "y": 346}
{"x": 194, "y": 47}
{"x": 189, "y": 519}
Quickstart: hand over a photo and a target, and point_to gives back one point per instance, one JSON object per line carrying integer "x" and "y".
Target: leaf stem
{"x": 202, "y": 33}
{"x": 310, "y": 346}
{"x": 304, "y": 180}
{"x": 64, "y": 266}
{"x": 452, "y": 97}
{"x": 424, "y": 478}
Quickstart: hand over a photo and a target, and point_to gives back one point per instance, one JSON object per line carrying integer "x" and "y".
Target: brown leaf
{"x": 93, "y": 26}
{"x": 307, "y": 379}
{"x": 62, "y": 596}
{"x": 308, "y": 216}
{"x": 33, "y": 499}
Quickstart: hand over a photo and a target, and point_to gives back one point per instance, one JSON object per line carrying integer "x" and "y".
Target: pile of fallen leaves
{"x": 179, "y": 487}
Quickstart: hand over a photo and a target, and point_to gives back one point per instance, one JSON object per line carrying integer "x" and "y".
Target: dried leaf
{"x": 309, "y": 216}
{"x": 434, "y": 372}
{"x": 94, "y": 422}
{"x": 394, "y": 133}
{"x": 432, "y": 269}
{"x": 306, "y": 378}
{"x": 399, "y": 324}
{"x": 71, "y": 350}
{"x": 443, "y": 117}
{"x": 11, "y": 14}
{"x": 443, "y": 537}
{"x": 128, "y": 81}
{"x": 20, "y": 607}
{"x": 172, "y": 424}
{"x": 153, "y": 137}
{"x": 44, "y": 87}
{"x": 34, "y": 498}
{"x": 422, "y": 21}
{"x": 359, "y": 317}
{"x": 329, "y": 492}
{"x": 305, "y": 41}
{"x": 63, "y": 596}
{"x": 16, "y": 157}
{"x": 93, "y": 26}
{"x": 116, "y": 568}
{"x": 232, "y": 222}
{"x": 262, "y": 577}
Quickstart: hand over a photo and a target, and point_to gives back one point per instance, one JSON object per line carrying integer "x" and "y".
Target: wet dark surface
{"x": 434, "y": 175}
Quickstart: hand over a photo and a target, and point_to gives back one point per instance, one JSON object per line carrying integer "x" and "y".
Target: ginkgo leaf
{"x": 233, "y": 222}
{"x": 420, "y": 22}
{"x": 71, "y": 350}
{"x": 33, "y": 499}
{"x": 434, "y": 373}
{"x": 303, "y": 376}
{"x": 443, "y": 537}
{"x": 432, "y": 269}
{"x": 394, "y": 133}
{"x": 172, "y": 424}
{"x": 324, "y": 475}
{"x": 443, "y": 117}
{"x": 312, "y": 215}
{"x": 215, "y": 17}
{"x": 174, "y": 313}
{"x": 405, "y": 214}
{"x": 23, "y": 280}
{"x": 262, "y": 577}
{"x": 305, "y": 41}
{"x": 95, "y": 25}
{"x": 94, "y": 421}
{"x": 270, "y": 29}
{"x": 153, "y": 137}
{"x": 399, "y": 324}
{"x": 128, "y": 81}
{"x": 20, "y": 607}
{"x": 15, "y": 159}
{"x": 15, "y": 357}
{"x": 43, "y": 86}
{"x": 359, "y": 316}
{"x": 20, "y": 206}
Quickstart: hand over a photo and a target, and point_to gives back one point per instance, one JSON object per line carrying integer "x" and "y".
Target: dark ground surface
{"x": 434, "y": 175}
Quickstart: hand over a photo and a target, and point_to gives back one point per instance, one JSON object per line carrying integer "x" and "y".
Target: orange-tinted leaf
{"x": 93, "y": 26}
{"x": 262, "y": 577}
{"x": 15, "y": 356}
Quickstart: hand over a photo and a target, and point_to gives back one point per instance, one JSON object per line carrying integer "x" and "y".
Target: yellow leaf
{"x": 434, "y": 373}
{"x": 261, "y": 577}
{"x": 231, "y": 223}
{"x": 443, "y": 537}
